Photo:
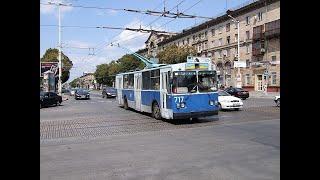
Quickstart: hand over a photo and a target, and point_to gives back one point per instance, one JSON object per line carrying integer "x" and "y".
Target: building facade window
{"x": 260, "y": 16}
{"x": 213, "y": 43}
{"x": 205, "y": 33}
{"x": 188, "y": 41}
{"x": 220, "y": 29}
{"x": 205, "y": 45}
{"x": 228, "y": 52}
{"x": 247, "y": 35}
{"x": 228, "y": 27}
{"x": 235, "y": 25}
{"x": 247, "y": 48}
{"x": 248, "y": 63}
{"x": 248, "y": 79}
{"x": 228, "y": 39}
{"x": 219, "y": 54}
{"x": 193, "y": 37}
{"x": 273, "y": 58}
{"x": 213, "y": 32}
{"x": 220, "y": 42}
{"x": 247, "y": 20}
{"x": 236, "y": 38}
{"x": 274, "y": 78}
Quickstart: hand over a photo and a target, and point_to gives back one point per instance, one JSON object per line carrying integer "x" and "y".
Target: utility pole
{"x": 59, "y": 57}
{"x": 59, "y": 46}
{"x": 239, "y": 80}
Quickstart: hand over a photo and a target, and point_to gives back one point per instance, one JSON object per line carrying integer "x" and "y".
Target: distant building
{"x": 217, "y": 39}
{"x": 87, "y": 81}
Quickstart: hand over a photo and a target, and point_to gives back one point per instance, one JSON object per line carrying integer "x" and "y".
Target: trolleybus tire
{"x": 156, "y": 111}
{"x": 125, "y": 104}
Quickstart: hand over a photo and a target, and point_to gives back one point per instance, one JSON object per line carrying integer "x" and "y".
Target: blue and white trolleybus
{"x": 176, "y": 91}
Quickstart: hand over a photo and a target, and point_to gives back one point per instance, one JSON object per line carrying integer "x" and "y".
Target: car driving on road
{"x": 72, "y": 92}
{"x": 49, "y": 98}
{"x": 109, "y": 92}
{"x": 82, "y": 94}
{"x": 226, "y": 101}
{"x": 277, "y": 101}
{"x": 237, "y": 92}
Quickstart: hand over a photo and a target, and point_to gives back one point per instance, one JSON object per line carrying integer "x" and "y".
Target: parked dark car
{"x": 49, "y": 98}
{"x": 82, "y": 94}
{"x": 238, "y": 92}
{"x": 65, "y": 91}
{"x": 109, "y": 92}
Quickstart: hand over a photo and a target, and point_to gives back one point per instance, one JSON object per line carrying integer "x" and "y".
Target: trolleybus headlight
{"x": 211, "y": 103}
{"x": 182, "y": 105}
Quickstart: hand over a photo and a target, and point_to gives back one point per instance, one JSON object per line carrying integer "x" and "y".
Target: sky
{"x": 89, "y": 47}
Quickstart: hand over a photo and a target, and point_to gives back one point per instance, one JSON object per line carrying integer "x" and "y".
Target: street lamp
{"x": 239, "y": 83}
{"x": 59, "y": 56}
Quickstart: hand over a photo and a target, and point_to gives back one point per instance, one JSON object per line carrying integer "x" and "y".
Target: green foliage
{"x": 74, "y": 83}
{"x": 105, "y": 73}
{"x": 51, "y": 55}
{"x": 174, "y": 54}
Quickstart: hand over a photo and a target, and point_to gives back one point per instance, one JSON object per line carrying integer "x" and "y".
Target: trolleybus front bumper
{"x": 194, "y": 114}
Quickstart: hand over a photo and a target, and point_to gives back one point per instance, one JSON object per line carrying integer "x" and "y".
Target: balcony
{"x": 258, "y": 33}
{"x": 272, "y": 29}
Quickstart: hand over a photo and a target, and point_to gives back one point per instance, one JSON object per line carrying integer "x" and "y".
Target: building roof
{"x": 158, "y": 35}
{"x": 237, "y": 12}
{"x": 142, "y": 50}
{"x": 86, "y": 74}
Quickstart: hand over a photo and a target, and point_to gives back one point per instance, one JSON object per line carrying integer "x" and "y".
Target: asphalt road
{"x": 96, "y": 139}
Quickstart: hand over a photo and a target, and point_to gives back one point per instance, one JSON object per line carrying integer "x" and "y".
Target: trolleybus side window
{"x": 146, "y": 80}
{"x": 155, "y": 79}
{"x": 128, "y": 81}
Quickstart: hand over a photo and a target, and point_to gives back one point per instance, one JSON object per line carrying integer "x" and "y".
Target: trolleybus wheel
{"x": 278, "y": 103}
{"x": 125, "y": 104}
{"x": 156, "y": 111}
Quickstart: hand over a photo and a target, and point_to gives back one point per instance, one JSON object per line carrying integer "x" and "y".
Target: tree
{"x": 105, "y": 73}
{"x": 74, "y": 83}
{"x": 129, "y": 62}
{"x": 100, "y": 73}
{"x": 174, "y": 54}
{"x": 51, "y": 55}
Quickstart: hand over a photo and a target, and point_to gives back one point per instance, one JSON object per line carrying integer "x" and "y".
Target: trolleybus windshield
{"x": 186, "y": 82}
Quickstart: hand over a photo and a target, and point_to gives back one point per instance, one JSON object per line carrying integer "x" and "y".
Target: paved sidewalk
{"x": 258, "y": 94}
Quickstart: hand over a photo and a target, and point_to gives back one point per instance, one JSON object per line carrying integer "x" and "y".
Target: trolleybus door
{"x": 137, "y": 90}
{"x": 164, "y": 89}
{"x": 119, "y": 89}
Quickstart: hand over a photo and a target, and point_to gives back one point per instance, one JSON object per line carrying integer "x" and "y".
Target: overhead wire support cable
{"x": 163, "y": 13}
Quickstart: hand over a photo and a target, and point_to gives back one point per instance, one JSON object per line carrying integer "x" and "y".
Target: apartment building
{"x": 217, "y": 39}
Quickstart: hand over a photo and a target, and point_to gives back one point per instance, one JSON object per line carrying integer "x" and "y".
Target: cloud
{"x": 133, "y": 40}
{"x": 52, "y": 9}
{"x": 81, "y": 65}
{"x": 128, "y": 39}
{"x": 107, "y": 12}
{"x": 76, "y": 43}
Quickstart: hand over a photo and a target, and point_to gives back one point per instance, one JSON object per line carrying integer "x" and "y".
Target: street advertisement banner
{"x": 46, "y": 66}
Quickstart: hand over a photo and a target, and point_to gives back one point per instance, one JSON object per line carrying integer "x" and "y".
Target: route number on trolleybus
{"x": 178, "y": 99}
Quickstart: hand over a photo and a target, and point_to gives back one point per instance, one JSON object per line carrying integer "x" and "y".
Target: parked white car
{"x": 227, "y": 101}
{"x": 277, "y": 100}
{"x": 72, "y": 92}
